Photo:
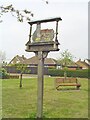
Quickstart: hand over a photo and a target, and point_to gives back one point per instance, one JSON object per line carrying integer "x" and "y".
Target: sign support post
{"x": 40, "y": 85}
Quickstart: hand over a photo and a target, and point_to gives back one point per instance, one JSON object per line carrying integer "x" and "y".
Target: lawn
{"x": 22, "y": 103}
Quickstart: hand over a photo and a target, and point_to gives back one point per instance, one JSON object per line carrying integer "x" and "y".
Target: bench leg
{"x": 57, "y": 87}
{"x": 78, "y": 87}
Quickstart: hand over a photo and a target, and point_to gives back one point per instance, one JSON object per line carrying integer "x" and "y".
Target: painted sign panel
{"x": 44, "y": 35}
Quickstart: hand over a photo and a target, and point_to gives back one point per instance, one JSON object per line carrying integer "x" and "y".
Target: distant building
{"x": 33, "y": 61}
{"x": 17, "y": 59}
{"x": 83, "y": 64}
{"x": 72, "y": 66}
{"x": 87, "y": 61}
{"x": 32, "y": 64}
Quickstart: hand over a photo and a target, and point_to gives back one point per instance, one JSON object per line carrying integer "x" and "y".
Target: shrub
{"x": 3, "y": 73}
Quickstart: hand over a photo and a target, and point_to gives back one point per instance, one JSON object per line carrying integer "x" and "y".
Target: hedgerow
{"x": 70, "y": 73}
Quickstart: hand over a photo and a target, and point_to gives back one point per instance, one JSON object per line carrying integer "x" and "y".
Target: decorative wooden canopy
{"x": 43, "y": 40}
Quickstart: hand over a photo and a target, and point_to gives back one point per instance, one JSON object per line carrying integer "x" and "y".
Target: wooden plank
{"x": 45, "y": 20}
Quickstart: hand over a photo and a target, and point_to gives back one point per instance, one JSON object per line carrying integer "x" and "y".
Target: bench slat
{"x": 69, "y": 85}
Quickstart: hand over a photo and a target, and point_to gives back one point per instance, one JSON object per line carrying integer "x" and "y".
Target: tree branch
{"x": 21, "y": 15}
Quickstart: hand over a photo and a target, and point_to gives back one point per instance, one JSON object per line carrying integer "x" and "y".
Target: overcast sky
{"x": 73, "y": 29}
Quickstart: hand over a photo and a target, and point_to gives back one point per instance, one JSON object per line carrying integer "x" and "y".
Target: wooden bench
{"x": 67, "y": 82}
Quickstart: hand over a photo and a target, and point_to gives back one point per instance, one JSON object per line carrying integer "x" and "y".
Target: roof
{"x": 34, "y": 61}
{"x": 17, "y": 58}
{"x": 50, "y": 61}
{"x": 46, "y": 30}
{"x": 87, "y": 61}
{"x": 73, "y": 64}
{"x": 82, "y": 64}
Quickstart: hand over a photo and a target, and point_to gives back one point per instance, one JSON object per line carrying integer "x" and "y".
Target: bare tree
{"x": 2, "y": 58}
{"x": 21, "y": 15}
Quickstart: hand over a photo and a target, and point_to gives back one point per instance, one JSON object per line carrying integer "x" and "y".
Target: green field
{"x": 22, "y": 103}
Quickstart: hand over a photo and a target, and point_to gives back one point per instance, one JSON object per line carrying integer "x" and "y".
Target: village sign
{"x": 41, "y": 43}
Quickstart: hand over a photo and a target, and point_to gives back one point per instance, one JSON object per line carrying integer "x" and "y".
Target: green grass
{"x": 22, "y": 103}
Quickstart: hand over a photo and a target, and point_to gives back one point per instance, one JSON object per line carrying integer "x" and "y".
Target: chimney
{"x": 23, "y": 57}
{"x": 79, "y": 59}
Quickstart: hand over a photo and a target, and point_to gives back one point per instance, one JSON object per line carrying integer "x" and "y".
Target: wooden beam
{"x": 45, "y": 20}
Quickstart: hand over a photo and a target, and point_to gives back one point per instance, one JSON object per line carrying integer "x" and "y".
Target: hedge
{"x": 5, "y": 75}
{"x": 70, "y": 73}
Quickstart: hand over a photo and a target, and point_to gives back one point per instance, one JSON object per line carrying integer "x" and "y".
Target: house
{"x": 71, "y": 66}
{"x": 87, "y": 61}
{"x": 17, "y": 59}
{"x": 82, "y": 64}
{"x": 33, "y": 61}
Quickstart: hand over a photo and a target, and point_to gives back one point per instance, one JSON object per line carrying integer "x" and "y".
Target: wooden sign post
{"x": 41, "y": 43}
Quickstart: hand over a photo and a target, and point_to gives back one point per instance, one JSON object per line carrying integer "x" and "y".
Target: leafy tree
{"x": 66, "y": 58}
{"x": 22, "y": 68}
